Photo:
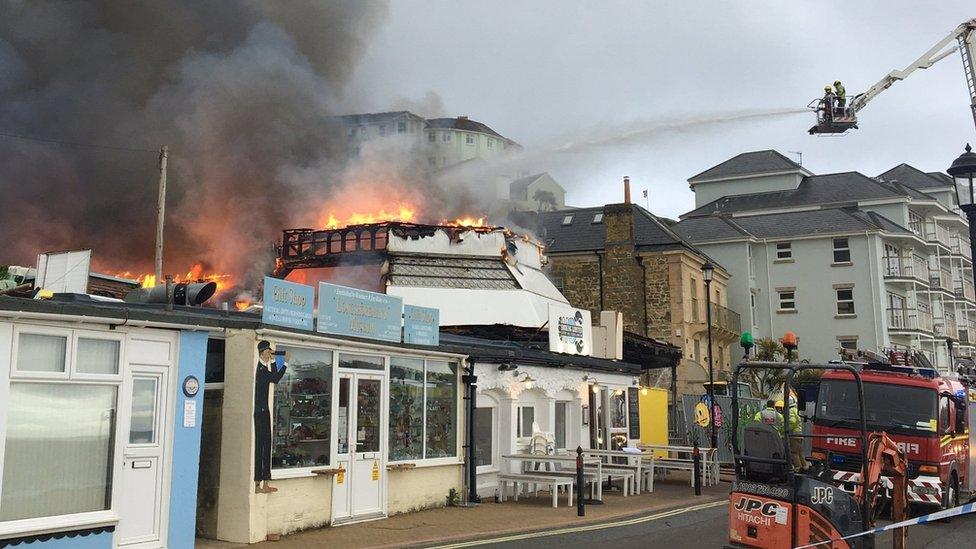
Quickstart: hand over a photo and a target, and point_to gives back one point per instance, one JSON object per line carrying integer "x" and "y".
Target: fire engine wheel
{"x": 950, "y": 498}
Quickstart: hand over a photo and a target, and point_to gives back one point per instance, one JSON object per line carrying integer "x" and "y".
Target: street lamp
{"x": 708, "y": 270}
{"x": 963, "y": 171}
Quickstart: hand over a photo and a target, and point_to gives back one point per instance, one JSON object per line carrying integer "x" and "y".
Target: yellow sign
{"x": 701, "y": 415}
{"x": 340, "y": 475}
{"x": 376, "y": 470}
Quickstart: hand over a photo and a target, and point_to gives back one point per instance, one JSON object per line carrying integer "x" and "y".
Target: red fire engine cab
{"x": 927, "y": 415}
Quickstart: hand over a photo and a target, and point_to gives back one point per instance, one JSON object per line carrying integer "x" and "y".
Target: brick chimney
{"x": 623, "y": 275}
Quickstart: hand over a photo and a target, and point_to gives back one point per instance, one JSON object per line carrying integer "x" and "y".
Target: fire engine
{"x": 925, "y": 414}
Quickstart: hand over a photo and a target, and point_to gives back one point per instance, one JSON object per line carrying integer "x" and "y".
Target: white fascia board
{"x": 802, "y": 171}
{"x": 119, "y": 322}
{"x": 792, "y": 209}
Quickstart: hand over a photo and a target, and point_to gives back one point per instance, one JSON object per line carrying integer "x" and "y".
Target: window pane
{"x": 560, "y": 424}
{"x": 441, "y": 409}
{"x": 215, "y": 361}
{"x": 361, "y": 361}
{"x": 845, "y": 308}
{"x": 98, "y": 356}
{"x": 58, "y": 456}
{"x": 342, "y": 416}
{"x": 528, "y": 418}
{"x": 41, "y": 353}
{"x": 302, "y": 410}
{"x": 406, "y": 408}
{"x": 368, "y": 407}
{"x": 142, "y": 429}
{"x": 484, "y": 420}
{"x": 618, "y": 409}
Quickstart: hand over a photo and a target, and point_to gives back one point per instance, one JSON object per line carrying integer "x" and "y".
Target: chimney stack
{"x": 626, "y": 189}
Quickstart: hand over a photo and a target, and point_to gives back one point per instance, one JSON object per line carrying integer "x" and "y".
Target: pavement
{"x": 453, "y": 525}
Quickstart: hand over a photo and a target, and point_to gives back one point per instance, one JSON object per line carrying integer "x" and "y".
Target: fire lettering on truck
{"x": 908, "y": 447}
{"x": 842, "y": 441}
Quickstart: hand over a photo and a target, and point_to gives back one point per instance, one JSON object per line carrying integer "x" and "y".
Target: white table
{"x": 709, "y": 457}
{"x": 634, "y": 460}
{"x": 564, "y": 458}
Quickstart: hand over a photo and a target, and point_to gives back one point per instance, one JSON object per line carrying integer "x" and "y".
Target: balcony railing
{"x": 906, "y": 267}
{"x": 909, "y": 319}
{"x": 937, "y": 233}
{"x": 946, "y": 328}
{"x": 965, "y": 291}
{"x": 964, "y": 336}
{"x": 724, "y": 318}
{"x": 941, "y": 278}
{"x": 961, "y": 246}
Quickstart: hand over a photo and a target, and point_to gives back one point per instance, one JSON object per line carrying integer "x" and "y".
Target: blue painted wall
{"x": 92, "y": 541}
{"x": 186, "y": 444}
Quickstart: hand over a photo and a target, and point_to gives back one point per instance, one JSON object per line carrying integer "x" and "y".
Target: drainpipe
{"x": 471, "y": 396}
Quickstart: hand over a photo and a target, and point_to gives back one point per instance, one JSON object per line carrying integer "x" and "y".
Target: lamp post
{"x": 963, "y": 171}
{"x": 708, "y": 270}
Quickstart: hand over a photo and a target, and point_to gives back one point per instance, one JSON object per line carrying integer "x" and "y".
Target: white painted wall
{"x": 708, "y": 191}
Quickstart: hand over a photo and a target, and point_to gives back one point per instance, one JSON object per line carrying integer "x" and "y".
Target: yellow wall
{"x": 299, "y": 504}
{"x": 653, "y": 416}
{"x": 421, "y": 488}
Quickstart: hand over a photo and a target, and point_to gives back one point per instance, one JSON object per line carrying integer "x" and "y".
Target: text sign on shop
{"x": 358, "y": 313}
{"x": 570, "y": 331}
{"x": 421, "y": 325}
{"x": 287, "y": 304}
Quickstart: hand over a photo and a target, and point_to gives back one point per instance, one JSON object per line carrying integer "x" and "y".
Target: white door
{"x": 360, "y": 418}
{"x": 140, "y": 523}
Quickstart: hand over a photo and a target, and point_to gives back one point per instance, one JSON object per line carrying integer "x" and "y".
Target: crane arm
{"x": 965, "y": 37}
{"x": 884, "y": 458}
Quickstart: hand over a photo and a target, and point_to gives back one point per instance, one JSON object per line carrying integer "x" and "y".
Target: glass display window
{"x": 302, "y": 410}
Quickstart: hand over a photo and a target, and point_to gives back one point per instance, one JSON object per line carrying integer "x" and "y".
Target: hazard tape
{"x": 939, "y": 515}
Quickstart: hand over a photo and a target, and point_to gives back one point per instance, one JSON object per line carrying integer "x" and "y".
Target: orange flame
{"x": 401, "y": 213}
{"x": 466, "y": 222}
{"x": 242, "y": 304}
{"x": 195, "y": 274}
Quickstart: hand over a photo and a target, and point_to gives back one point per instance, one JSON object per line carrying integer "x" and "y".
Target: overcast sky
{"x": 549, "y": 73}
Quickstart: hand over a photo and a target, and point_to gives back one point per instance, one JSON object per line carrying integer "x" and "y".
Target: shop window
{"x": 406, "y": 409}
{"x": 64, "y": 430}
{"x": 215, "y": 361}
{"x": 363, "y": 362}
{"x": 302, "y": 408}
{"x": 441, "y": 409}
{"x": 618, "y": 409}
{"x": 560, "y": 424}
{"x": 484, "y": 436}
{"x": 526, "y": 417}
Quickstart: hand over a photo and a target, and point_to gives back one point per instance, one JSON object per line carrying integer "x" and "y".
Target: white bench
{"x": 625, "y": 473}
{"x": 553, "y": 482}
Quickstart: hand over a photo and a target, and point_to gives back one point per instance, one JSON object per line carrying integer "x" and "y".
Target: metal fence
{"x": 694, "y": 433}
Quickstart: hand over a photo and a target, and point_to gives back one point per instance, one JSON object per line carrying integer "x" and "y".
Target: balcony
{"x": 909, "y": 320}
{"x": 941, "y": 279}
{"x": 946, "y": 328}
{"x": 726, "y": 319}
{"x": 938, "y": 234}
{"x": 965, "y": 291}
{"x": 913, "y": 267}
{"x": 961, "y": 246}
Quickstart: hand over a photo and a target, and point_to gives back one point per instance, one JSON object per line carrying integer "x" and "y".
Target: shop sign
{"x": 358, "y": 313}
{"x": 421, "y": 325}
{"x": 287, "y": 304}
{"x": 570, "y": 331}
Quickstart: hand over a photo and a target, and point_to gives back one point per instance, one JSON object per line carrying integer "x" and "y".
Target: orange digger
{"x": 775, "y": 505}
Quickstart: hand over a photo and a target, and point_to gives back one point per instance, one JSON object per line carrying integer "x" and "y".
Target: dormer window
{"x": 568, "y": 220}
{"x": 598, "y": 218}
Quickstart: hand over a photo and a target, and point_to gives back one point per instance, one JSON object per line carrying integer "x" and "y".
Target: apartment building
{"x": 843, "y": 259}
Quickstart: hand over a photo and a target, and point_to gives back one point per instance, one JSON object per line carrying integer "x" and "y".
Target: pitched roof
{"x": 583, "y": 234}
{"x": 785, "y": 225}
{"x": 521, "y": 185}
{"x": 749, "y": 163}
{"x": 464, "y": 123}
{"x": 944, "y": 177}
{"x": 914, "y": 178}
{"x": 374, "y": 117}
{"x": 814, "y": 190}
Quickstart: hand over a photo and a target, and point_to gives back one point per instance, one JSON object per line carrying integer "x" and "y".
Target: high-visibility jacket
{"x": 796, "y": 423}
{"x": 770, "y": 416}
{"x": 840, "y": 92}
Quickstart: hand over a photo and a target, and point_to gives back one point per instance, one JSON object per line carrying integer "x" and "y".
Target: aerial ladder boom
{"x": 839, "y": 120}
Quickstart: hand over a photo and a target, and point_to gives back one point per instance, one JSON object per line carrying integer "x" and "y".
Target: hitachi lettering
{"x": 748, "y": 507}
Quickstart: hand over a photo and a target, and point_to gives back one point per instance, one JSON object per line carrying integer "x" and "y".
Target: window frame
{"x": 469, "y": 139}
{"x": 784, "y": 251}
{"x": 494, "y": 465}
{"x": 566, "y": 409}
{"x": 9, "y": 375}
{"x": 838, "y": 301}
{"x": 780, "y": 300}
{"x": 432, "y": 137}
{"x": 845, "y": 248}
{"x": 518, "y": 421}
{"x": 424, "y": 461}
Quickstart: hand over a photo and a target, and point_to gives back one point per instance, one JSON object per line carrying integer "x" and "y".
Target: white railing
{"x": 937, "y": 233}
{"x": 909, "y": 319}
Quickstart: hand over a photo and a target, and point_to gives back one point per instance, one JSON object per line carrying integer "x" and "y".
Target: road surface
{"x": 705, "y": 529}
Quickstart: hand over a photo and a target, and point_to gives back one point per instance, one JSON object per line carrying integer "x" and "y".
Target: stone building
{"x": 623, "y": 258}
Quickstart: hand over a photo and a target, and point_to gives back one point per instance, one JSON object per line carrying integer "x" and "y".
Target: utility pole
{"x": 161, "y": 212}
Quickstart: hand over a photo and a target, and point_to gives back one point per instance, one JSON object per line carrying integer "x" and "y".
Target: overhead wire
{"x": 75, "y": 143}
